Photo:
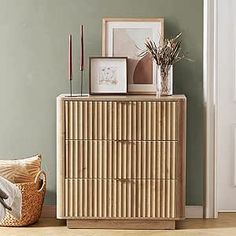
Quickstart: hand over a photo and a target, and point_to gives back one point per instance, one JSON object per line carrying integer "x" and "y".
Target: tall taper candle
{"x": 81, "y": 47}
{"x": 70, "y": 64}
{"x": 70, "y": 58}
{"x": 81, "y": 58}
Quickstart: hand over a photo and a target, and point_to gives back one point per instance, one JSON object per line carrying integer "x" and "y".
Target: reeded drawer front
{"x": 121, "y": 120}
{"x": 120, "y": 159}
{"x": 93, "y": 198}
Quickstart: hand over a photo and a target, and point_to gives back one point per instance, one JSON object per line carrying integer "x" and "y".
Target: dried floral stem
{"x": 166, "y": 54}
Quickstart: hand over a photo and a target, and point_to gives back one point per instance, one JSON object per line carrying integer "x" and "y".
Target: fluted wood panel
{"x": 121, "y": 120}
{"x": 109, "y": 198}
{"x": 120, "y": 159}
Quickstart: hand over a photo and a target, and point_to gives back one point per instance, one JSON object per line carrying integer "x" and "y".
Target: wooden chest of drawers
{"x": 121, "y": 161}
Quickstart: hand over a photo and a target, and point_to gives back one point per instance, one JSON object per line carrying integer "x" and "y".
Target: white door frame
{"x": 210, "y": 75}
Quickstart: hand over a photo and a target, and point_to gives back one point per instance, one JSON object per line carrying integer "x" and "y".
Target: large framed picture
{"x": 126, "y": 37}
{"x": 108, "y": 75}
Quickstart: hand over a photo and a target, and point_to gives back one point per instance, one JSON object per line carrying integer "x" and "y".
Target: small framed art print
{"x": 108, "y": 75}
{"x": 125, "y": 37}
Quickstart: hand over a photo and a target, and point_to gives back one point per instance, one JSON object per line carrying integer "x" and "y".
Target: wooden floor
{"x": 224, "y": 225}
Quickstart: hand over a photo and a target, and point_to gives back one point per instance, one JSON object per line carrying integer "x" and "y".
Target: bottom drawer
{"x": 120, "y": 198}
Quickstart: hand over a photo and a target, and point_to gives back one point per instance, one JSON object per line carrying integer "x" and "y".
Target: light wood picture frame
{"x": 126, "y": 37}
{"x": 108, "y": 75}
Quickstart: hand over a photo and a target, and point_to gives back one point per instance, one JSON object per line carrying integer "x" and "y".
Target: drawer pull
{"x": 125, "y": 180}
{"x": 126, "y": 141}
{"x": 126, "y": 102}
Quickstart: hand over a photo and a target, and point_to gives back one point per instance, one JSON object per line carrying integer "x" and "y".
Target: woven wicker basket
{"x": 32, "y": 202}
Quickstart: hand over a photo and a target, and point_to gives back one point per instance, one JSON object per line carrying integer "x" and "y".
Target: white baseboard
{"x": 226, "y": 211}
{"x": 49, "y": 211}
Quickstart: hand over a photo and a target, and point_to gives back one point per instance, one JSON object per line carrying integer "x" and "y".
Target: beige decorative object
{"x": 20, "y": 171}
{"x": 121, "y": 161}
{"x": 32, "y": 202}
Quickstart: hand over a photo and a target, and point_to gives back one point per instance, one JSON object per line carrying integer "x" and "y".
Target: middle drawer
{"x": 97, "y": 159}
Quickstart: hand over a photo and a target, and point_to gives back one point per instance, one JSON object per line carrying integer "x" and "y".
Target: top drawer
{"x": 121, "y": 120}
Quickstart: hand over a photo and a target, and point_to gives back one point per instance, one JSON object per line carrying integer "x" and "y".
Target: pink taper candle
{"x": 70, "y": 58}
{"x": 81, "y": 47}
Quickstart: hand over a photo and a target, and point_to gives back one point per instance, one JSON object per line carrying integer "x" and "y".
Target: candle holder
{"x": 81, "y": 82}
{"x": 71, "y": 88}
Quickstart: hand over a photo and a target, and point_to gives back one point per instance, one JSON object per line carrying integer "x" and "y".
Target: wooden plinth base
{"x": 120, "y": 224}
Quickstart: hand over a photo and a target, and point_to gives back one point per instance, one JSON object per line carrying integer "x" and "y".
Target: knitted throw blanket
{"x": 10, "y": 199}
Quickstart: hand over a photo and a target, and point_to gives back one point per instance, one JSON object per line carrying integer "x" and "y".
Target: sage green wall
{"x": 33, "y": 64}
